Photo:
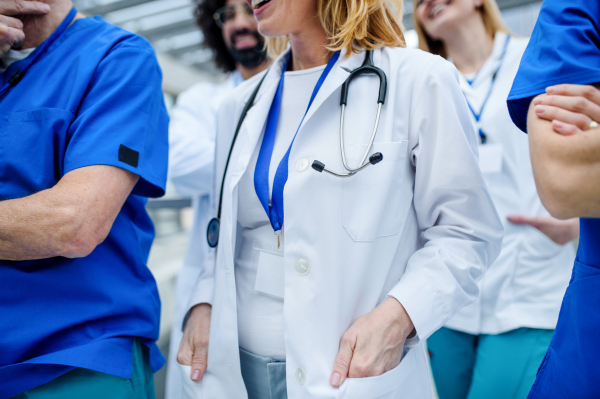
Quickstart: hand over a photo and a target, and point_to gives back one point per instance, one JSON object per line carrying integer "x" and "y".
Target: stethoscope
{"x": 212, "y": 232}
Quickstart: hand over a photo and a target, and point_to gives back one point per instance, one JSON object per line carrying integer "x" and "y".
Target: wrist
{"x": 402, "y": 319}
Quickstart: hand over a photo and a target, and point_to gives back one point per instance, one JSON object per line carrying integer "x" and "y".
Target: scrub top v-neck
{"x": 90, "y": 95}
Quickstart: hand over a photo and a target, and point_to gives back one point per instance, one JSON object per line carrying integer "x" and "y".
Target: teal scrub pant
{"x": 501, "y": 366}
{"x": 82, "y": 383}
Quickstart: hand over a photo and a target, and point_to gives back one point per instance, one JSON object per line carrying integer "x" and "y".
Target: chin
{"x": 269, "y": 27}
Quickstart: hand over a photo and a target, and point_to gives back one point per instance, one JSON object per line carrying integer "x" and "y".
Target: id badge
{"x": 490, "y": 158}
{"x": 270, "y": 276}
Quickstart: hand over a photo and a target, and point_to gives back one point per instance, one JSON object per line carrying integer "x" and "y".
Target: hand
{"x": 559, "y": 231}
{"x": 11, "y": 29}
{"x": 373, "y": 344}
{"x": 193, "y": 350}
{"x": 571, "y": 108}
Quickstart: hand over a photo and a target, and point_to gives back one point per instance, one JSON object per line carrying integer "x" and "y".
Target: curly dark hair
{"x": 213, "y": 38}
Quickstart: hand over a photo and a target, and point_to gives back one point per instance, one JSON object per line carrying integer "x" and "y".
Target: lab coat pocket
{"x": 389, "y": 385}
{"x": 191, "y": 389}
{"x": 372, "y": 199}
{"x": 540, "y": 244}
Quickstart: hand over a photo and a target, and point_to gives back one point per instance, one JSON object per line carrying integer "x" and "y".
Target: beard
{"x": 248, "y": 57}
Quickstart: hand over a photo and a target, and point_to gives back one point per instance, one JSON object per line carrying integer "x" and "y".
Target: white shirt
{"x": 13, "y": 56}
{"x": 419, "y": 226}
{"x": 260, "y": 317}
{"x": 526, "y": 284}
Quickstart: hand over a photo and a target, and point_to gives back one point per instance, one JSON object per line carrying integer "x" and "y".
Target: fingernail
{"x": 335, "y": 379}
{"x": 537, "y": 101}
{"x": 45, "y": 7}
{"x": 550, "y": 89}
{"x": 196, "y": 374}
{"x": 540, "y": 109}
{"x": 558, "y": 124}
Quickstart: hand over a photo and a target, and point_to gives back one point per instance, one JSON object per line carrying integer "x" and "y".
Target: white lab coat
{"x": 192, "y": 133}
{"x": 526, "y": 284}
{"x": 419, "y": 226}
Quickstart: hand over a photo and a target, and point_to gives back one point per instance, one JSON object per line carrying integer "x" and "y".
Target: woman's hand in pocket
{"x": 373, "y": 344}
{"x": 559, "y": 231}
{"x": 193, "y": 350}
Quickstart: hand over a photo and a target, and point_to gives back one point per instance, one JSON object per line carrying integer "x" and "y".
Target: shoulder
{"x": 416, "y": 67}
{"x": 98, "y": 36}
{"x": 202, "y": 93}
{"x": 414, "y": 60}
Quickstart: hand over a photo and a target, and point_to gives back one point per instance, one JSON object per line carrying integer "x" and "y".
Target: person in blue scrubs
{"x": 83, "y": 142}
{"x": 553, "y": 98}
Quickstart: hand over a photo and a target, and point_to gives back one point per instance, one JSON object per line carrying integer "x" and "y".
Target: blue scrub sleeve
{"x": 122, "y": 120}
{"x": 564, "y": 48}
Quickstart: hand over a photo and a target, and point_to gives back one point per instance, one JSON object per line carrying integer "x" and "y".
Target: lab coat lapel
{"x": 249, "y": 135}
{"x": 338, "y": 75}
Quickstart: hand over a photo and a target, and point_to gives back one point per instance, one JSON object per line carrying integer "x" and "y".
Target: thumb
{"x": 341, "y": 366}
{"x": 199, "y": 362}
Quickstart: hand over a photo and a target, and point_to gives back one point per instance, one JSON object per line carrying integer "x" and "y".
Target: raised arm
{"x": 565, "y": 152}
{"x": 69, "y": 219}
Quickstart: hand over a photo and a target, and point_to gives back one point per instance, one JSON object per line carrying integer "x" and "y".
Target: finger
{"x": 10, "y": 37}
{"x": 522, "y": 219}
{"x": 565, "y": 129}
{"x": 11, "y": 22}
{"x": 341, "y": 367}
{"x": 551, "y": 113}
{"x": 199, "y": 361}
{"x": 580, "y": 105}
{"x": 587, "y": 91}
{"x": 185, "y": 353}
{"x": 23, "y": 7}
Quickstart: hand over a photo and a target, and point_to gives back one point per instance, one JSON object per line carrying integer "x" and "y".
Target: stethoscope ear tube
{"x": 366, "y": 68}
{"x": 213, "y": 229}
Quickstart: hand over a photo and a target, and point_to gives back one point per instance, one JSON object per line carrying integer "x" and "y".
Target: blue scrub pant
{"x": 571, "y": 368}
{"x": 501, "y": 366}
{"x": 264, "y": 377}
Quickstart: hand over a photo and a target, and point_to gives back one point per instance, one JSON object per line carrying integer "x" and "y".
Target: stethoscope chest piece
{"x": 212, "y": 233}
{"x": 366, "y": 68}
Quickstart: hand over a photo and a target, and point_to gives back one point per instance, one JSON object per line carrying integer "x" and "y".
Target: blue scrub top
{"x": 93, "y": 97}
{"x": 565, "y": 48}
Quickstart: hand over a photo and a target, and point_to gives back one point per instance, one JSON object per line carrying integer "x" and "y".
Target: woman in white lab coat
{"x": 493, "y": 347}
{"x": 336, "y": 301}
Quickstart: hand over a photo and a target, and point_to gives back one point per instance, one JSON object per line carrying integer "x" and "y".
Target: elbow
{"x": 558, "y": 199}
{"x": 78, "y": 236}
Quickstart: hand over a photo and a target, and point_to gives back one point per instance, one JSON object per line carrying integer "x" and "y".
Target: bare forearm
{"x": 69, "y": 219}
{"x": 566, "y": 169}
{"x": 37, "y": 227}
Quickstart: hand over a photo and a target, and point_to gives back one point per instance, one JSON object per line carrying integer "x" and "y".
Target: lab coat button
{"x": 302, "y": 165}
{"x": 302, "y": 266}
{"x": 300, "y": 376}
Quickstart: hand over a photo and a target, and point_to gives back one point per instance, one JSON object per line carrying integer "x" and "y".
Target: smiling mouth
{"x": 256, "y": 4}
{"x": 435, "y": 11}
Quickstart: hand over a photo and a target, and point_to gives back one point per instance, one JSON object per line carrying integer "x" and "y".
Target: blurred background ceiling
{"x": 170, "y": 26}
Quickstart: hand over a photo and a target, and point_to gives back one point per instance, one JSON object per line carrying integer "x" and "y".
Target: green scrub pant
{"x": 501, "y": 366}
{"x": 82, "y": 383}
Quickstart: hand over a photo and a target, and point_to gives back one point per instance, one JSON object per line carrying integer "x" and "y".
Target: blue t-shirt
{"x": 564, "y": 48}
{"x": 91, "y": 97}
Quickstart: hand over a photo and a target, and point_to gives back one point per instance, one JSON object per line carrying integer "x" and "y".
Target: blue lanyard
{"x": 487, "y": 97}
{"x": 25, "y": 64}
{"x": 261, "y": 174}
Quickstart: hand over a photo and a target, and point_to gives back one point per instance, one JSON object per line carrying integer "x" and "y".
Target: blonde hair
{"x": 366, "y": 24}
{"x": 490, "y": 14}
